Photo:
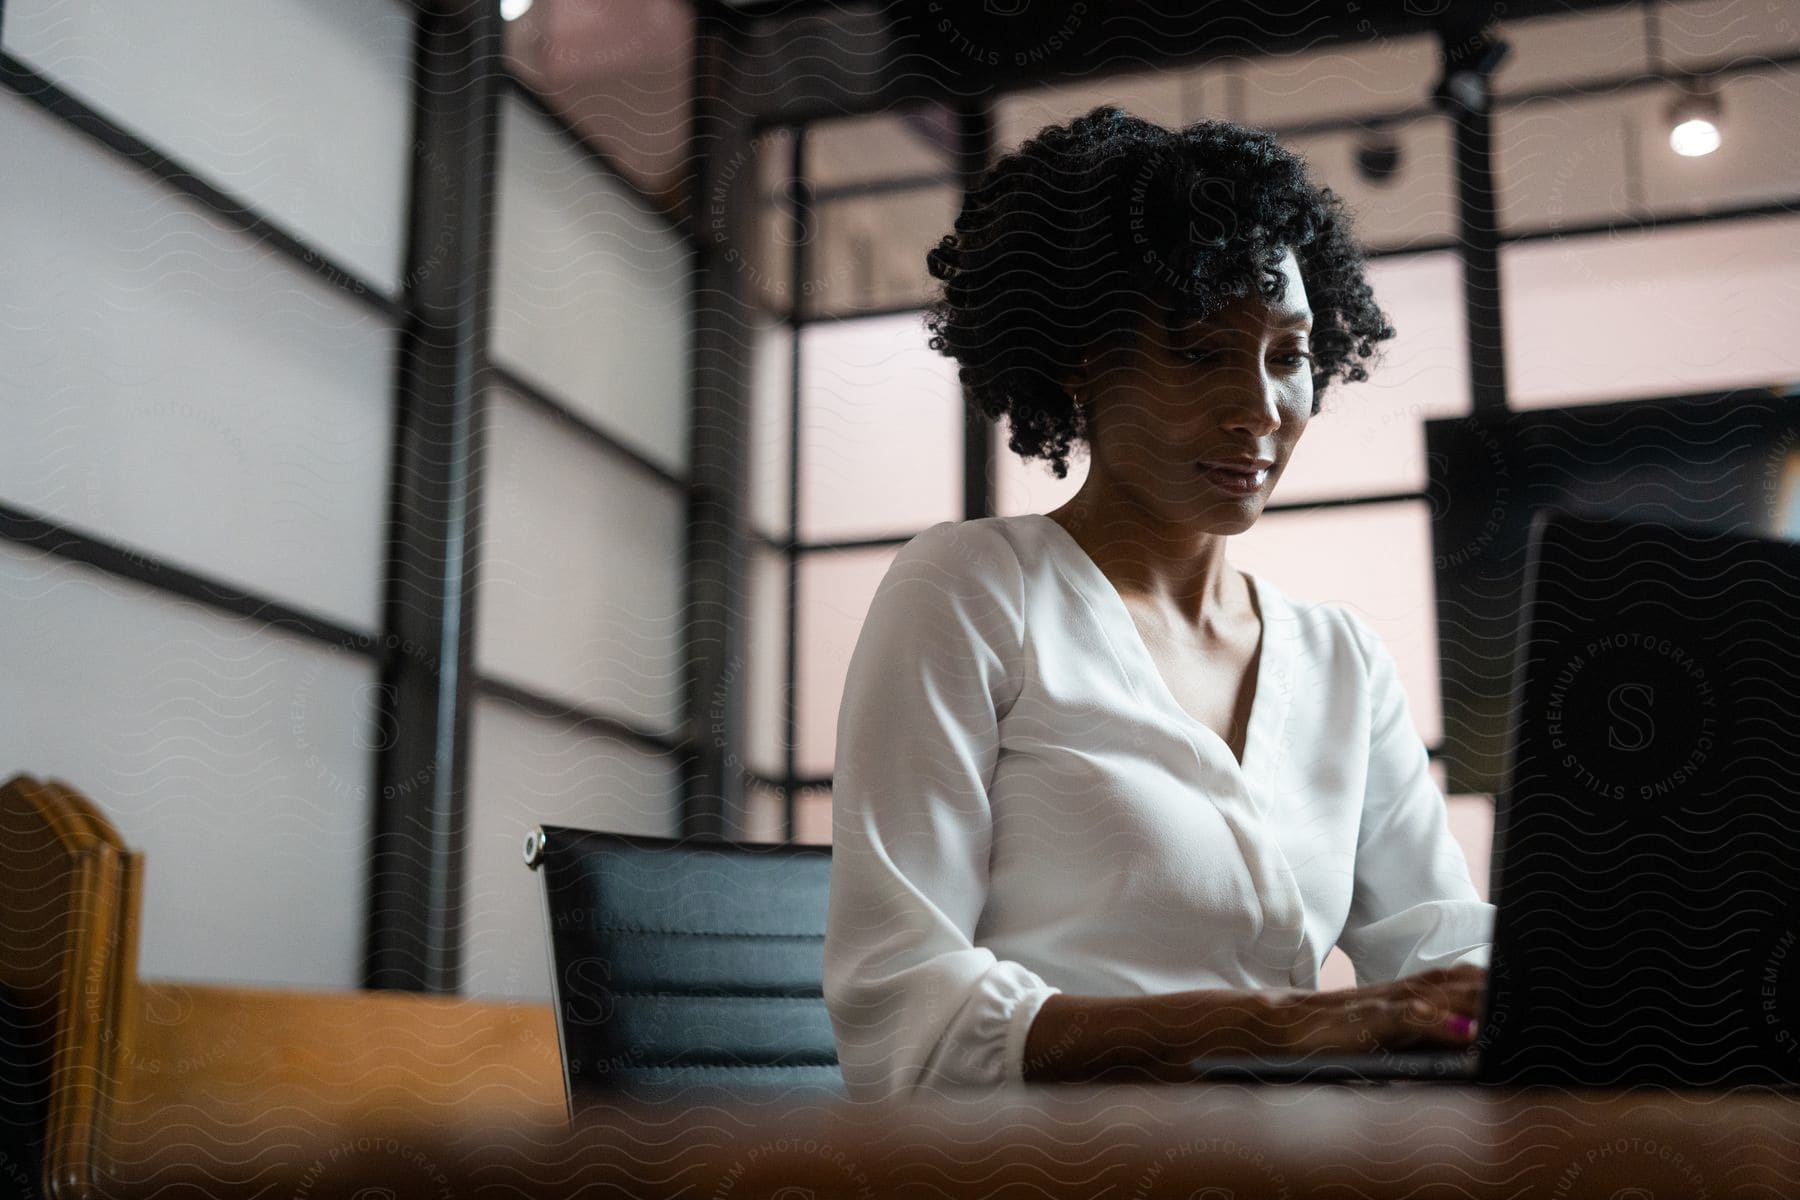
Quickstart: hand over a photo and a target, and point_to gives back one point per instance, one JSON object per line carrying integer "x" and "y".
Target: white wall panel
{"x": 1691, "y": 308}
{"x": 300, "y": 108}
{"x": 1166, "y": 97}
{"x": 1369, "y": 437}
{"x": 581, "y": 566}
{"x": 765, "y": 815}
{"x": 868, "y": 252}
{"x": 771, "y": 420}
{"x": 881, "y": 430}
{"x": 173, "y": 386}
{"x": 1374, "y": 559}
{"x": 1700, "y": 32}
{"x": 874, "y": 147}
{"x": 1553, "y": 51}
{"x": 526, "y": 771}
{"x": 812, "y": 816}
{"x": 1339, "y": 79}
{"x": 765, "y": 665}
{"x": 591, "y": 292}
{"x": 238, "y": 760}
{"x": 1022, "y": 486}
{"x": 1564, "y": 161}
{"x": 836, "y": 588}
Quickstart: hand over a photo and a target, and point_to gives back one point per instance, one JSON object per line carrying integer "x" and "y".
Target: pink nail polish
{"x": 1459, "y": 1026}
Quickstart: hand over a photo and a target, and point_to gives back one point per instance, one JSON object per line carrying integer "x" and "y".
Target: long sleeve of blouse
{"x": 1414, "y": 906}
{"x": 912, "y": 999}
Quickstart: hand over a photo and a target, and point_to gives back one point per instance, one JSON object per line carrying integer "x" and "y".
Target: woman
{"x": 1103, "y": 803}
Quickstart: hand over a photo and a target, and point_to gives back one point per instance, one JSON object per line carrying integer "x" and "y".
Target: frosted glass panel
{"x": 771, "y": 419}
{"x": 835, "y": 590}
{"x": 235, "y": 91}
{"x": 1691, "y": 308}
{"x": 770, "y": 268}
{"x": 1339, "y": 79}
{"x": 237, "y": 759}
{"x": 1022, "y": 486}
{"x": 1472, "y": 825}
{"x": 526, "y": 771}
{"x": 581, "y": 567}
{"x": 1550, "y": 51}
{"x": 770, "y": 256}
{"x": 1563, "y": 162}
{"x": 869, "y": 252}
{"x": 765, "y": 688}
{"x": 173, "y": 386}
{"x": 881, "y": 433}
{"x": 1372, "y": 558}
{"x": 1336, "y": 972}
{"x": 591, "y": 292}
{"x": 1786, "y": 516}
{"x": 1166, "y": 97}
{"x": 886, "y": 145}
{"x": 1699, "y": 32}
{"x": 766, "y": 820}
{"x": 621, "y": 71}
{"x": 812, "y": 816}
{"x": 1369, "y": 437}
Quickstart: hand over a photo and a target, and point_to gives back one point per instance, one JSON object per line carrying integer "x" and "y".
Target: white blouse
{"x": 1021, "y": 807}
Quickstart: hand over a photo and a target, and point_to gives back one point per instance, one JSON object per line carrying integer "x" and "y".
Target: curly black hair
{"x": 1070, "y": 241}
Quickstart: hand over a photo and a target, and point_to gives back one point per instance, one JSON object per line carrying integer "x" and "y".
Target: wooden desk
{"x": 164, "y": 1090}
{"x": 1129, "y": 1141}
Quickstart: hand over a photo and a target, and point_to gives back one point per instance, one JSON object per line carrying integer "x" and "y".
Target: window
{"x": 1665, "y": 312}
{"x": 881, "y": 426}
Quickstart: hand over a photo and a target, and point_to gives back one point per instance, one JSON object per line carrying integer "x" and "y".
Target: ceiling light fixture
{"x": 1694, "y": 119}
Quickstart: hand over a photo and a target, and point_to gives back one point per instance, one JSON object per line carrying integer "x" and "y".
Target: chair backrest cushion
{"x": 687, "y": 962}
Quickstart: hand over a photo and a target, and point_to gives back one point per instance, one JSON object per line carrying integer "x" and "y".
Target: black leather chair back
{"x": 684, "y": 963}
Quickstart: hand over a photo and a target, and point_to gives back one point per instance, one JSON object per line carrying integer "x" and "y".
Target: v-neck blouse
{"x": 1020, "y": 806}
{"x": 1092, "y": 582}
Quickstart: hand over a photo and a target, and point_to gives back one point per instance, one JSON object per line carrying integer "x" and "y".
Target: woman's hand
{"x": 1436, "y": 1009}
{"x": 1159, "y": 1036}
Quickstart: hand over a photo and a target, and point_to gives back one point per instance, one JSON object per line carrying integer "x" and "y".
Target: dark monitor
{"x": 1722, "y": 461}
{"x": 1647, "y": 840}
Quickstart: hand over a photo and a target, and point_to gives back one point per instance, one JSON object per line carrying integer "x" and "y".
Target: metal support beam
{"x": 1479, "y": 242}
{"x": 974, "y": 147}
{"x": 800, "y": 233}
{"x": 1469, "y": 57}
{"x": 415, "y": 918}
{"x": 723, "y": 174}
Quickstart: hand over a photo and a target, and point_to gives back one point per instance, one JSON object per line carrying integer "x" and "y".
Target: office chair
{"x": 686, "y": 963}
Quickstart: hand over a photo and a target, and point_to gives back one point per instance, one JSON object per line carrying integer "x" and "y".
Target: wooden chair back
{"x": 122, "y": 1063}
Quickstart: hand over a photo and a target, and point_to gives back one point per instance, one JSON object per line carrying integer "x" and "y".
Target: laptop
{"x": 1646, "y": 856}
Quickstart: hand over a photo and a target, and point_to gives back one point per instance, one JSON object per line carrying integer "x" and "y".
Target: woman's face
{"x": 1237, "y": 386}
